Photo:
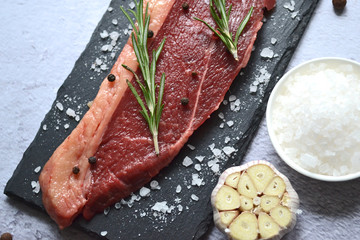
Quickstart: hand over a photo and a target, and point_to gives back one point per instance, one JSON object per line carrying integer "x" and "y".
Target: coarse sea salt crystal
{"x": 154, "y": 185}
{"x": 44, "y": 127}
{"x": 191, "y": 147}
{"x": 230, "y": 123}
{"x": 197, "y": 167}
{"x": 132, "y": 5}
{"x": 315, "y": 119}
{"x": 200, "y": 158}
{"x": 144, "y": 192}
{"x": 161, "y": 207}
{"x": 267, "y": 53}
{"x": 103, "y": 233}
{"x": 104, "y": 34}
{"x": 187, "y": 161}
{"x": 196, "y": 181}
{"x": 178, "y": 189}
{"x": 273, "y": 41}
{"x": 59, "y": 106}
{"x": 228, "y": 150}
{"x": 37, "y": 169}
{"x": 194, "y": 197}
{"x": 35, "y": 185}
{"x": 115, "y": 22}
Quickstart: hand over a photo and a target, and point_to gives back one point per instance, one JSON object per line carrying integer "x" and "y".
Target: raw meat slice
{"x": 65, "y": 194}
{"x": 114, "y": 131}
{"x": 126, "y": 158}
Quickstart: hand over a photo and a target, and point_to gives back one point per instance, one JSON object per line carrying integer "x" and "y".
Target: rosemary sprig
{"x": 152, "y": 108}
{"x": 221, "y": 17}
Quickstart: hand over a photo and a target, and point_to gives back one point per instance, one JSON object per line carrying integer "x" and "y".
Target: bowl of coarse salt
{"x": 313, "y": 119}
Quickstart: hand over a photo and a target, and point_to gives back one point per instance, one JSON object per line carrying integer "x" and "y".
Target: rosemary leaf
{"x": 221, "y": 18}
{"x": 152, "y": 108}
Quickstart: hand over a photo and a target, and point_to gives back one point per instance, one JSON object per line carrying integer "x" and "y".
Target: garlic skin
{"x": 276, "y": 201}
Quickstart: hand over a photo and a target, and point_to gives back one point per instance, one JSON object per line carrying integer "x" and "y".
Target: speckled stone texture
{"x": 39, "y": 43}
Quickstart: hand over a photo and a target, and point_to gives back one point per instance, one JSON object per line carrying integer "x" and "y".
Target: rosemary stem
{"x": 156, "y": 143}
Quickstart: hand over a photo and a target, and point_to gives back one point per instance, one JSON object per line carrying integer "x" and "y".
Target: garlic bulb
{"x": 254, "y": 201}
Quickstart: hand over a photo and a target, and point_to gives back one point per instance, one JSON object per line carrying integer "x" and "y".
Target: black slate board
{"x": 139, "y": 221}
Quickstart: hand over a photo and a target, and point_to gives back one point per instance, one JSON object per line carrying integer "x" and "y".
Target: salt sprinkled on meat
{"x": 144, "y": 192}
{"x": 187, "y": 161}
{"x": 194, "y": 197}
{"x": 178, "y": 189}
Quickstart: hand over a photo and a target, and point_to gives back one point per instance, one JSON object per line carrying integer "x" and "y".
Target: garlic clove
{"x": 246, "y": 187}
{"x": 261, "y": 175}
{"x": 267, "y": 226}
{"x": 265, "y": 198}
{"x": 244, "y": 226}
{"x": 227, "y": 199}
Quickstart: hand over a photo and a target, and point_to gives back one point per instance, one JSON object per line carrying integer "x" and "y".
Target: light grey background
{"x": 39, "y": 44}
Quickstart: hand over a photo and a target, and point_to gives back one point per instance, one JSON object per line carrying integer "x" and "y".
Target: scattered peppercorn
{"x": 150, "y": 34}
{"x": 339, "y": 4}
{"x": 92, "y": 160}
{"x": 194, "y": 74}
{"x": 184, "y": 101}
{"x": 111, "y": 77}
{"x": 76, "y": 170}
{"x": 185, "y": 6}
{"x": 6, "y": 236}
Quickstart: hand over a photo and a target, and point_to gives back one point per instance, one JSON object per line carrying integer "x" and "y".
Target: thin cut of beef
{"x": 116, "y": 134}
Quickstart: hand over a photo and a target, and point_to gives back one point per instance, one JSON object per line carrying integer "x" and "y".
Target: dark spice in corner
{"x": 339, "y": 4}
{"x": 92, "y": 160}
{"x": 6, "y": 236}
{"x": 111, "y": 77}
{"x": 150, "y": 34}
{"x": 76, "y": 170}
{"x": 185, "y": 6}
{"x": 184, "y": 101}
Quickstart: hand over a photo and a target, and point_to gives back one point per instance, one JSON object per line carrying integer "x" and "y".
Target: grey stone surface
{"x": 39, "y": 43}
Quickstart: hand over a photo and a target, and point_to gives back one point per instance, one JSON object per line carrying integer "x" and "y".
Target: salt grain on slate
{"x": 161, "y": 207}
{"x": 200, "y": 158}
{"x": 110, "y": 9}
{"x": 187, "y": 161}
{"x": 144, "y": 192}
{"x": 117, "y": 205}
{"x": 104, "y": 34}
{"x": 194, "y": 197}
{"x": 106, "y": 211}
{"x": 273, "y": 41}
{"x": 154, "y": 185}
{"x": 103, "y": 233}
{"x": 228, "y": 150}
{"x": 191, "y": 147}
{"x": 178, "y": 189}
{"x": 267, "y": 53}
{"x": 44, "y": 127}
{"x": 35, "y": 185}
{"x": 197, "y": 167}
{"x": 59, "y": 106}
{"x": 37, "y": 169}
{"x": 132, "y": 5}
{"x": 215, "y": 168}
{"x": 232, "y": 98}
{"x": 230, "y": 123}
{"x": 115, "y": 22}
{"x": 66, "y": 126}
{"x": 227, "y": 139}
{"x": 290, "y": 5}
{"x": 221, "y": 125}
{"x": 196, "y": 181}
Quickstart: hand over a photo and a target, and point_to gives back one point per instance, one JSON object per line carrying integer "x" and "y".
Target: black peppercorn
{"x": 339, "y": 4}
{"x": 92, "y": 160}
{"x": 6, "y": 236}
{"x": 76, "y": 170}
{"x": 184, "y": 101}
{"x": 150, "y": 34}
{"x": 111, "y": 77}
{"x": 185, "y": 6}
{"x": 194, "y": 74}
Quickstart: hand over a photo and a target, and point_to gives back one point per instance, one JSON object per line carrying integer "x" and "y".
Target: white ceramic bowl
{"x": 276, "y": 91}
